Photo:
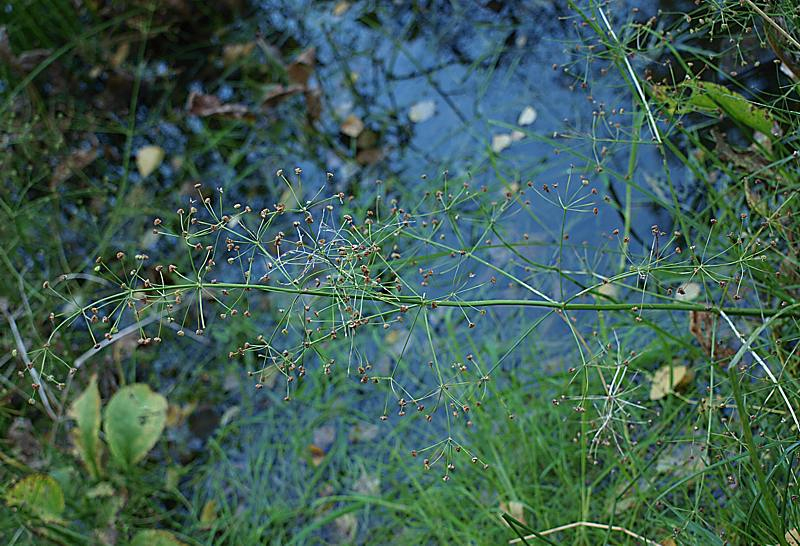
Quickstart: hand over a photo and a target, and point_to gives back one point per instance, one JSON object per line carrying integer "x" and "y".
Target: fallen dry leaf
{"x": 501, "y": 142}
{"x": 302, "y": 67}
{"x": 275, "y": 94}
{"x": 120, "y": 55}
{"x": 668, "y": 379}
{"x": 370, "y": 156}
{"x": 148, "y": 158}
{"x": 515, "y": 509}
{"x": 793, "y": 537}
{"x": 527, "y": 116}
{"x": 340, "y": 8}
{"x": 422, "y": 111}
{"x": 202, "y": 105}
{"x": 352, "y": 126}
{"x": 234, "y": 52}
{"x": 701, "y": 326}
{"x": 317, "y": 454}
{"x": 209, "y": 514}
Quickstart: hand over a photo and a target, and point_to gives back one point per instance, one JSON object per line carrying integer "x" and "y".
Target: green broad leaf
{"x": 85, "y": 410}
{"x": 38, "y": 494}
{"x": 709, "y": 96}
{"x": 155, "y": 537}
{"x": 134, "y": 420}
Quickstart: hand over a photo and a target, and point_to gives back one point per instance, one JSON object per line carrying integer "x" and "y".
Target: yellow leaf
{"x": 340, "y": 8}
{"x": 148, "y": 158}
{"x": 120, "y": 54}
{"x": 317, "y": 454}
{"x": 209, "y": 513}
{"x": 234, "y": 52}
{"x": 668, "y": 379}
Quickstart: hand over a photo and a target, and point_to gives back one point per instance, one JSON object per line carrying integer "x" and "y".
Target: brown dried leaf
{"x": 302, "y": 67}
{"x": 352, "y": 126}
{"x": 276, "y": 94}
{"x": 202, "y": 105}
{"x": 369, "y": 157}
{"x": 701, "y": 327}
{"x": 317, "y": 454}
{"x": 793, "y": 537}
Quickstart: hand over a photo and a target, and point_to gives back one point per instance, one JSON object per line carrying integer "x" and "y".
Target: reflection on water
{"x": 496, "y": 93}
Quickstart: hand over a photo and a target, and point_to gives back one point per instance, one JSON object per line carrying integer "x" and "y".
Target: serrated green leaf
{"x": 155, "y": 537}
{"x": 134, "y": 420}
{"x": 38, "y": 494}
{"x": 86, "y": 412}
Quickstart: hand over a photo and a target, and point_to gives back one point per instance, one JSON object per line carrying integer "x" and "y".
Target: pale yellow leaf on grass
{"x": 515, "y": 509}
{"x": 793, "y": 537}
{"x": 209, "y": 513}
{"x": 148, "y": 158}
{"x": 668, "y": 379}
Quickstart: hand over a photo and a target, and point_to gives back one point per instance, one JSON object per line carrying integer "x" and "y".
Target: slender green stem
{"x": 792, "y": 310}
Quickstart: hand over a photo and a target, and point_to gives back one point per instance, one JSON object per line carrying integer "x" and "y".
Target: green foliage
{"x": 85, "y": 410}
{"x": 154, "y": 537}
{"x": 133, "y": 421}
{"x": 38, "y": 494}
